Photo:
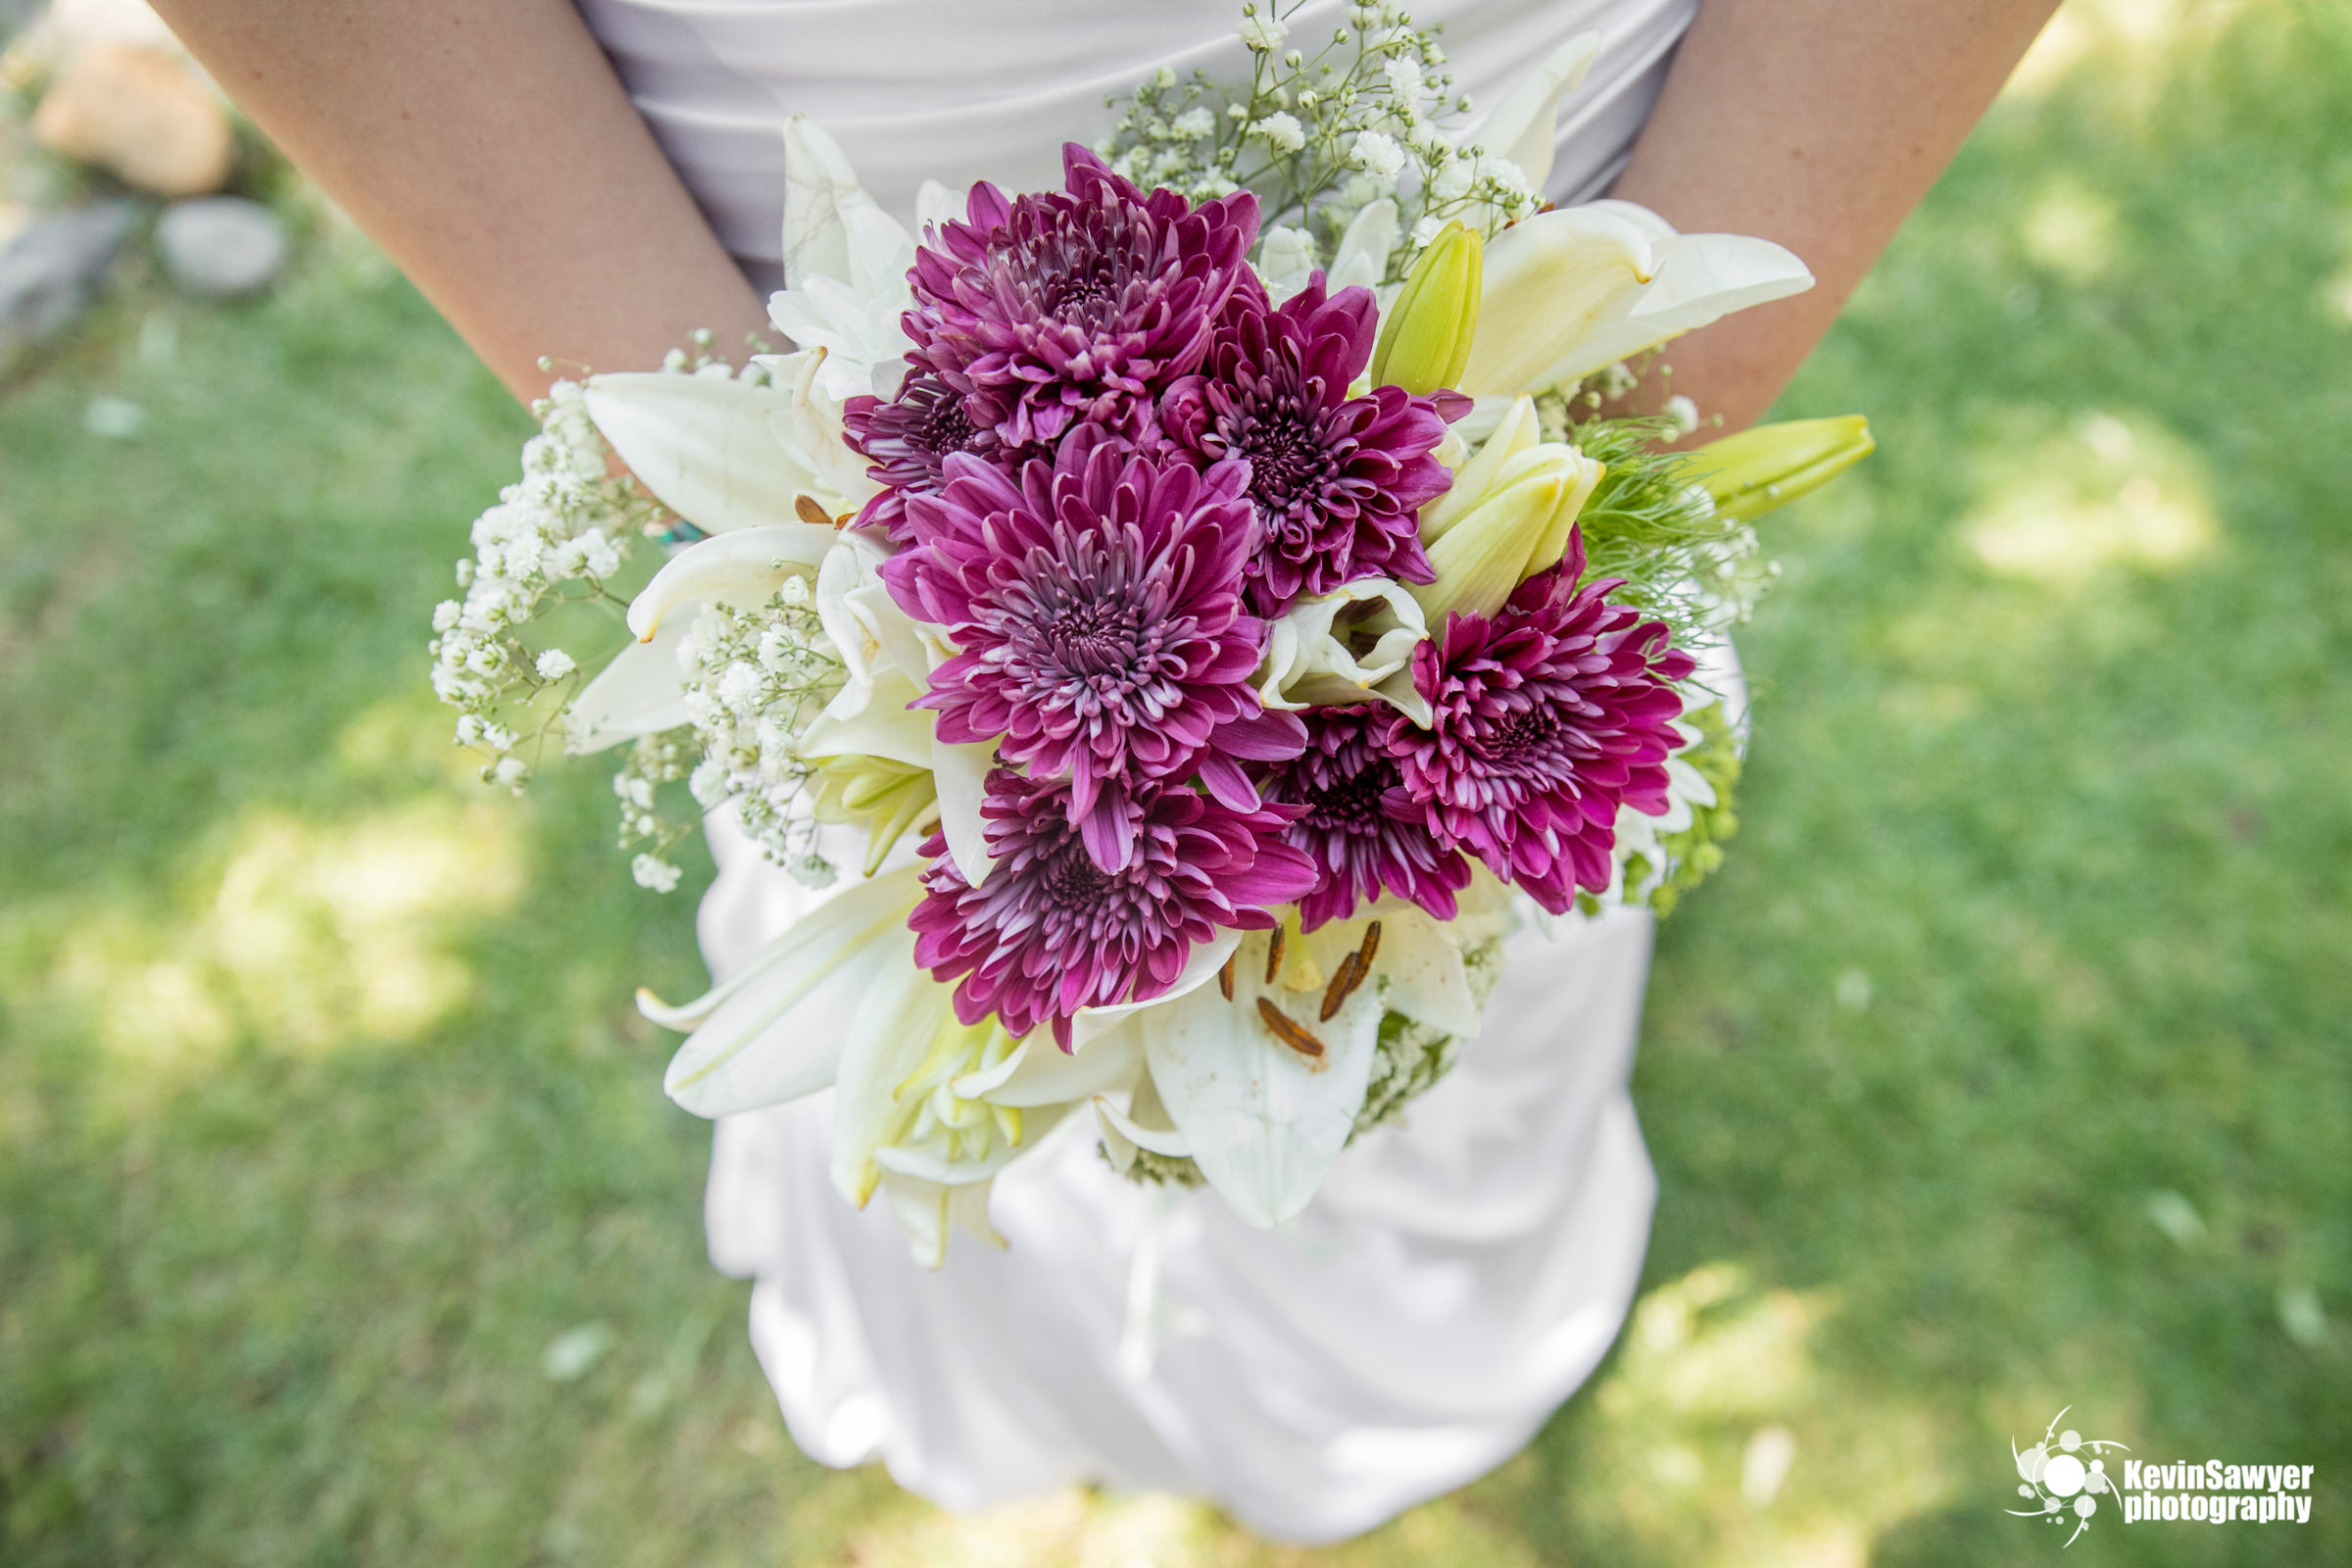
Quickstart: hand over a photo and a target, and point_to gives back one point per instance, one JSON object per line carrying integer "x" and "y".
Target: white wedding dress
{"x": 1463, "y": 1270}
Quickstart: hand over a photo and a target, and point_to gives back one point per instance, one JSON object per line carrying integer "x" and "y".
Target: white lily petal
{"x": 1523, "y": 126}
{"x": 740, "y": 569}
{"x": 1421, "y": 965}
{"x": 821, "y": 190}
{"x": 976, "y": 1084}
{"x": 1286, "y": 262}
{"x": 935, "y": 203}
{"x": 932, "y": 1166}
{"x": 1307, "y": 665}
{"x": 1051, "y": 1076}
{"x": 704, "y": 445}
{"x": 927, "y": 1211}
{"x": 885, "y": 727}
{"x": 808, "y": 424}
{"x": 848, "y": 618}
{"x": 1263, "y": 1122}
{"x": 1399, "y": 693}
{"x": 1201, "y": 966}
{"x": 1552, "y": 282}
{"x": 639, "y": 693}
{"x": 1688, "y": 783}
{"x": 1362, "y": 256}
{"x": 960, "y": 775}
{"x": 1700, "y": 278}
{"x": 893, "y": 1036}
{"x": 819, "y": 987}
{"x": 1115, "y": 1121}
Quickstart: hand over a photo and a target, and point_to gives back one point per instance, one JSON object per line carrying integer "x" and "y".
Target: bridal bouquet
{"x": 1180, "y": 619}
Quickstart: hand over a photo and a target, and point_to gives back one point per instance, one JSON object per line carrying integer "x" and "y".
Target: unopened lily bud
{"x": 1424, "y": 340}
{"x": 1517, "y": 526}
{"x": 1751, "y": 473}
{"x": 1517, "y": 430}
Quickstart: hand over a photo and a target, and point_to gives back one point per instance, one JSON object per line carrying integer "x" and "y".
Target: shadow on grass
{"x": 2001, "y": 1069}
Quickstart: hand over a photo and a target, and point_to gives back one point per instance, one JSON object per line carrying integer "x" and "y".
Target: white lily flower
{"x": 811, "y": 424}
{"x": 1569, "y": 291}
{"x": 780, "y": 1027}
{"x": 1308, "y": 665}
{"x": 1261, "y": 1118}
{"x": 868, "y": 628}
{"x": 929, "y": 1211}
{"x": 1362, "y": 256}
{"x": 712, "y": 449}
{"x": 1286, "y": 262}
{"x": 846, "y": 262}
{"x": 1523, "y": 126}
{"x": 741, "y": 571}
{"x": 641, "y": 692}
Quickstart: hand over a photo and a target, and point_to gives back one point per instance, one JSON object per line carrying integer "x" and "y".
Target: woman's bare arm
{"x": 488, "y": 147}
{"x": 1819, "y": 124}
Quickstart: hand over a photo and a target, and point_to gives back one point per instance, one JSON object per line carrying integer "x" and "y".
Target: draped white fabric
{"x": 1458, "y": 1275}
{"x": 1462, "y": 1271}
{"x": 960, "y": 90}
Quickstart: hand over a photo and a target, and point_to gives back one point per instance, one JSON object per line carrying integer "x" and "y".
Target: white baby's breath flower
{"x": 513, "y": 771}
{"x": 652, "y": 871}
{"x": 1426, "y": 229}
{"x": 1193, "y": 125}
{"x": 1281, "y": 132}
{"x": 555, "y": 664}
{"x": 1263, "y": 33}
{"x": 1378, "y": 154}
{"x": 1684, "y": 412}
{"x": 1404, "y": 83}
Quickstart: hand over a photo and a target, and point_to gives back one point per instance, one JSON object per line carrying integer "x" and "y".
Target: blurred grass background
{"x": 2005, "y": 1068}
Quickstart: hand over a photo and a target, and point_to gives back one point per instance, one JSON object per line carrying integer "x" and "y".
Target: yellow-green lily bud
{"x": 886, "y": 796}
{"x": 1515, "y": 526}
{"x": 1425, "y": 339}
{"x": 1517, "y": 431}
{"x": 1770, "y": 464}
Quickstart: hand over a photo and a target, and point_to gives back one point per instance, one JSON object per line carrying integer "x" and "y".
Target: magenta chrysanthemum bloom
{"x": 1096, "y": 602}
{"x": 1544, "y": 720}
{"x": 1054, "y": 308}
{"x": 1358, "y": 824}
{"x": 1336, "y": 480}
{"x": 907, "y": 442}
{"x": 1049, "y": 931}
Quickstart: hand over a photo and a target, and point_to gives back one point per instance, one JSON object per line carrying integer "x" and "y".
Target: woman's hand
{"x": 1818, "y": 123}
{"x": 488, "y": 147}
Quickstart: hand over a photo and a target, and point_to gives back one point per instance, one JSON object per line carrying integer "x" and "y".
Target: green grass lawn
{"x": 2005, "y": 1068}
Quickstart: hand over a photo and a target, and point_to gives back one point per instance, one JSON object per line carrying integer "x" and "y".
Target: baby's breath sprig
{"x": 1321, "y": 134}
{"x": 556, "y": 537}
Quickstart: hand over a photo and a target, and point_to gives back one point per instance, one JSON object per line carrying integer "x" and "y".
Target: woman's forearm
{"x": 488, "y": 147}
{"x": 1818, "y": 123}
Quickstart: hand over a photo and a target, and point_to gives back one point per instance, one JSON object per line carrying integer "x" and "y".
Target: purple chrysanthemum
{"x": 907, "y": 442}
{"x": 1336, "y": 480}
{"x": 1545, "y": 718}
{"x": 1049, "y": 931}
{"x": 1096, "y": 603}
{"x": 1364, "y": 832}
{"x": 1060, "y": 307}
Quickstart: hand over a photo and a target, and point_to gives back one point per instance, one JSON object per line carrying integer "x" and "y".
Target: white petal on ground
{"x": 782, "y": 1033}
{"x": 1524, "y": 126}
{"x": 740, "y": 569}
{"x": 704, "y": 445}
{"x": 1263, "y": 1122}
{"x": 639, "y": 693}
